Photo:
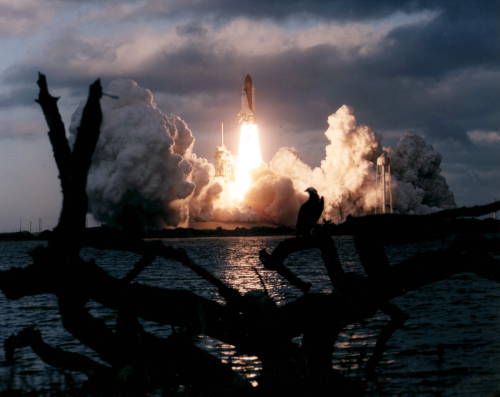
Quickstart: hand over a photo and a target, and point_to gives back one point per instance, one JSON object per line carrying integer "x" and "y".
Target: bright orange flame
{"x": 249, "y": 158}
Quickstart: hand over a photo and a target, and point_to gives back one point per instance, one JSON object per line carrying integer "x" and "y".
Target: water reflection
{"x": 247, "y": 365}
{"x": 460, "y": 315}
{"x": 240, "y": 267}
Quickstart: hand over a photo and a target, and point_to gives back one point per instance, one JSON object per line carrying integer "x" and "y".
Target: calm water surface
{"x": 450, "y": 346}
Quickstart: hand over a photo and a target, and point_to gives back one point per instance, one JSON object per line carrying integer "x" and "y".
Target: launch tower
{"x": 384, "y": 185}
{"x": 223, "y": 159}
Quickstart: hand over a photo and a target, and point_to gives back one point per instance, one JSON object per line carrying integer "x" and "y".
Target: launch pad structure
{"x": 384, "y": 185}
{"x": 223, "y": 159}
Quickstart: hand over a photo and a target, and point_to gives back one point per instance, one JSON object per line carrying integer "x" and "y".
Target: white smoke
{"x": 346, "y": 175}
{"x": 144, "y": 171}
{"x": 208, "y": 189}
{"x": 274, "y": 197}
{"x": 142, "y": 168}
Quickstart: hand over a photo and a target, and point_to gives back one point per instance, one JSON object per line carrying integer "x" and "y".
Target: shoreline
{"x": 180, "y": 232}
{"x": 386, "y": 227}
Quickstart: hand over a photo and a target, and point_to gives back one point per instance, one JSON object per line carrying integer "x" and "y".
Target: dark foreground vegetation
{"x": 135, "y": 362}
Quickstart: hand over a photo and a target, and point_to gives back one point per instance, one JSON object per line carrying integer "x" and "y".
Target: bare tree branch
{"x": 51, "y": 355}
{"x": 57, "y": 131}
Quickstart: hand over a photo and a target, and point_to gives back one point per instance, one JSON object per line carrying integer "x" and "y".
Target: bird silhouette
{"x": 309, "y": 213}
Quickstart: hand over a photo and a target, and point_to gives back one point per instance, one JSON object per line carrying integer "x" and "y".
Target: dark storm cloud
{"x": 18, "y": 96}
{"x": 18, "y": 18}
{"x": 450, "y": 42}
{"x": 472, "y": 171}
{"x": 407, "y": 64}
{"x": 439, "y": 77}
{"x": 281, "y": 9}
{"x": 65, "y": 60}
{"x": 192, "y": 28}
{"x": 193, "y": 69}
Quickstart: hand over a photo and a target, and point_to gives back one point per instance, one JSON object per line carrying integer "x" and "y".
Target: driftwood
{"x": 137, "y": 361}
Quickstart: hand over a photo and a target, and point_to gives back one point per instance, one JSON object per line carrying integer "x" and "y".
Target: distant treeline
{"x": 220, "y": 232}
{"x": 180, "y": 232}
{"x": 391, "y": 226}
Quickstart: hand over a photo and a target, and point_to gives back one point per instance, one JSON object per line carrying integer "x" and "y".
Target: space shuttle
{"x": 247, "y": 111}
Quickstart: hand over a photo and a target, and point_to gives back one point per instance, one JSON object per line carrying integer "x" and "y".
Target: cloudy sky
{"x": 430, "y": 67}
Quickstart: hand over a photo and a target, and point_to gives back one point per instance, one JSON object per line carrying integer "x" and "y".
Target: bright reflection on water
{"x": 448, "y": 347}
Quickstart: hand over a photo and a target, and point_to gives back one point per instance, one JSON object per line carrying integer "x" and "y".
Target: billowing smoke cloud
{"x": 420, "y": 186}
{"x": 207, "y": 191}
{"x": 346, "y": 175}
{"x": 144, "y": 172}
{"x": 347, "y": 179}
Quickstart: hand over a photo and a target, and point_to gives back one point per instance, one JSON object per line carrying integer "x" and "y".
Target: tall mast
{"x": 222, "y": 133}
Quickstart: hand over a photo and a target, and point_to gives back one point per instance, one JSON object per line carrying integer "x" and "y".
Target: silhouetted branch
{"x": 51, "y": 355}
{"x": 419, "y": 227}
{"x": 88, "y": 133}
{"x": 73, "y": 166}
{"x": 284, "y": 271}
{"x": 397, "y": 320}
{"x": 370, "y": 249}
{"x": 320, "y": 241}
{"x": 57, "y": 131}
{"x": 151, "y": 249}
{"x": 18, "y": 282}
{"x": 477, "y": 210}
{"x": 275, "y": 260}
{"x": 89, "y": 330}
{"x": 230, "y": 294}
{"x": 261, "y": 279}
{"x": 144, "y": 262}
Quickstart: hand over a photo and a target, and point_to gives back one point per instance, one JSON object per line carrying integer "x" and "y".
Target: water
{"x": 450, "y": 346}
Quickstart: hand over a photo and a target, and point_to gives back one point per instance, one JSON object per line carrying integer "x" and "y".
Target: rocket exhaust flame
{"x": 249, "y": 154}
{"x": 249, "y": 158}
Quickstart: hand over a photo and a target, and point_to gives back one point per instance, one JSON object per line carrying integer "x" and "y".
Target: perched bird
{"x": 309, "y": 213}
